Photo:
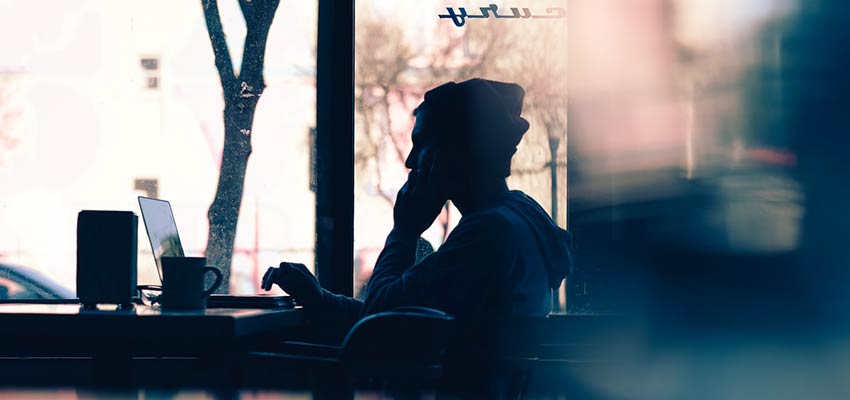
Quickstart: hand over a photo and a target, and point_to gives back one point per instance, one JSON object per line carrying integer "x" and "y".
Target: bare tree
{"x": 382, "y": 56}
{"x": 546, "y": 71}
{"x": 542, "y": 70}
{"x": 241, "y": 91}
{"x": 390, "y": 74}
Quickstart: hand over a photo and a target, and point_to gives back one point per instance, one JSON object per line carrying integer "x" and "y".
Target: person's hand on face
{"x": 422, "y": 197}
{"x": 296, "y": 280}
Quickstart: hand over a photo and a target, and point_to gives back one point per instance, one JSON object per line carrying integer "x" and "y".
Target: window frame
{"x": 335, "y": 146}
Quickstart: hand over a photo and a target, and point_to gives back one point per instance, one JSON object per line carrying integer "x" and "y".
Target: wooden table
{"x": 53, "y": 328}
{"x": 110, "y": 340}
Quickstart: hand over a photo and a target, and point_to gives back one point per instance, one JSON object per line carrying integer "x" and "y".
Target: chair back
{"x": 407, "y": 341}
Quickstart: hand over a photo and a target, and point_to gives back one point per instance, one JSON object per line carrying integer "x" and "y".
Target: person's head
{"x": 469, "y": 131}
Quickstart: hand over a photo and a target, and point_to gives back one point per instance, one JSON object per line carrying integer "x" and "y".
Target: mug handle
{"x": 218, "y": 278}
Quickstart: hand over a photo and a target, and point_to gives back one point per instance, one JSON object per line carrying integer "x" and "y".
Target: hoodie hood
{"x": 556, "y": 242}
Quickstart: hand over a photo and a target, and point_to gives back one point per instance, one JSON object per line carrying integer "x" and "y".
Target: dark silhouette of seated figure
{"x": 505, "y": 256}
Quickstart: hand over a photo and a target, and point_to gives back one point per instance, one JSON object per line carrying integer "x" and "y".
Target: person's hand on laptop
{"x": 296, "y": 280}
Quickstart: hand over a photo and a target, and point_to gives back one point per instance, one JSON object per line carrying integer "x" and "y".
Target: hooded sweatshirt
{"x": 503, "y": 259}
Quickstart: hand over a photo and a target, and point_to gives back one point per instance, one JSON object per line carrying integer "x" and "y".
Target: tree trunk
{"x": 241, "y": 94}
{"x": 224, "y": 211}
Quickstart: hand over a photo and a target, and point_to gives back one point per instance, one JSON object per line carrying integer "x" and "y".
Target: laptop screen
{"x": 161, "y": 228}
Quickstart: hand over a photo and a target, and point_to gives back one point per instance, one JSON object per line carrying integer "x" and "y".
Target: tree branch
{"x": 399, "y": 153}
{"x": 223, "y": 63}
{"x": 259, "y": 15}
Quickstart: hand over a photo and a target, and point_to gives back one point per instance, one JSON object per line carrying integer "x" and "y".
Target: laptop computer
{"x": 165, "y": 241}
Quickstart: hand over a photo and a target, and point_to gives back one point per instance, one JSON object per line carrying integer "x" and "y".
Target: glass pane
{"x": 683, "y": 151}
{"x": 402, "y": 50}
{"x": 102, "y": 101}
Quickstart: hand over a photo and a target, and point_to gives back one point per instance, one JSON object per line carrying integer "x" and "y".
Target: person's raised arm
{"x": 458, "y": 277}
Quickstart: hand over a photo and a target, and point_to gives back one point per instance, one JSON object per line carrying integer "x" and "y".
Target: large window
{"x": 402, "y": 49}
{"x": 101, "y": 101}
{"x": 682, "y": 116}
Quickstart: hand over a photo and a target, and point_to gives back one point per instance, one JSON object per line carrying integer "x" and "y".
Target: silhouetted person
{"x": 505, "y": 256}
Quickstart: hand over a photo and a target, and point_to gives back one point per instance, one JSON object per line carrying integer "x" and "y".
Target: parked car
{"x": 22, "y": 283}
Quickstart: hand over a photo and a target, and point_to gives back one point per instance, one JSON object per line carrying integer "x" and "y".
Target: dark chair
{"x": 403, "y": 347}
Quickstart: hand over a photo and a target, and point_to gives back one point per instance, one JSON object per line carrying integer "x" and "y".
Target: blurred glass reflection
{"x": 705, "y": 158}
{"x": 708, "y": 193}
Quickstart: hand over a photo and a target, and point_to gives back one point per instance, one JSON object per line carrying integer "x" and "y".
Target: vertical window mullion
{"x": 335, "y": 146}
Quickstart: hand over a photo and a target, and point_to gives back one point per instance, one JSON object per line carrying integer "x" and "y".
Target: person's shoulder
{"x": 493, "y": 218}
{"x": 508, "y": 213}
{"x": 510, "y": 206}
